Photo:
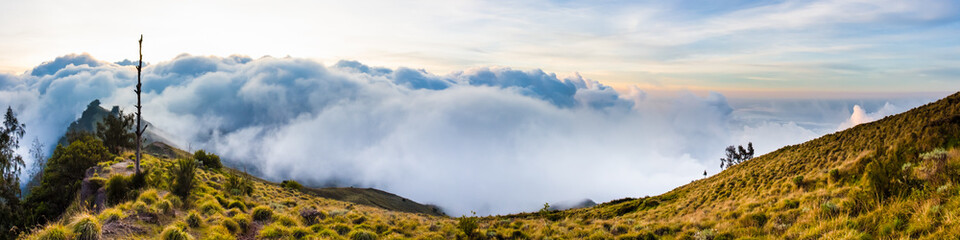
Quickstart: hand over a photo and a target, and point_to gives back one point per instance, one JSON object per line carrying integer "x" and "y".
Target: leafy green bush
{"x": 262, "y": 213}
{"x": 183, "y": 177}
{"x": 117, "y": 187}
{"x": 361, "y": 234}
{"x": 208, "y": 160}
{"x": 86, "y": 227}
{"x": 54, "y": 232}
{"x": 62, "y": 175}
{"x": 291, "y": 184}
{"x": 139, "y": 180}
{"x": 173, "y": 232}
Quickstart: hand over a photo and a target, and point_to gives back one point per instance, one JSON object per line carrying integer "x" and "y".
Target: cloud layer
{"x": 492, "y": 140}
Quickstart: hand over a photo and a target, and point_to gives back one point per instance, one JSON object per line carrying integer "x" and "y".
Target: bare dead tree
{"x": 139, "y": 130}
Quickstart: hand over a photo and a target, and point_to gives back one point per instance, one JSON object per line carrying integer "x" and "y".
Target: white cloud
{"x": 491, "y": 140}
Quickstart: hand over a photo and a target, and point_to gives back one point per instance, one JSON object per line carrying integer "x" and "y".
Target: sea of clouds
{"x": 493, "y": 140}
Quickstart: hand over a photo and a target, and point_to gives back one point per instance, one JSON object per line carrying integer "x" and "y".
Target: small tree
{"x": 10, "y": 165}
{"x": 183, "y": 174}
{"x": 736, "y": 155}
{"x": 209, "y": 160}
{"x": 39, "y": 159}
{"x": 115, "y": 132}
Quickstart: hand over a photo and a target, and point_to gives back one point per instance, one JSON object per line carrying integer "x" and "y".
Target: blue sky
{"x": 735, "y": 47}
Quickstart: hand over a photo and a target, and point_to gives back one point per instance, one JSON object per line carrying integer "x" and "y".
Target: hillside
{"x": 893, "y": 178}
{"x": 95, "y": 113}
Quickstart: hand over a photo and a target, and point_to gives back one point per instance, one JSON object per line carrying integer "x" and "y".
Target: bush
{"x": 149, "y": 196}
{"x": 183, "y": 177}
{"x": 361, "y": 234}
{"x": 237, "y": 185}
{"x": 230, "y": 225}
{"x": 109, "y": 215}
{"x": 173, "y": 232}
{"x": 86, "y": 227}
{"x": 798, "y": 181}
{"x": 237, "y": 205}
{"x": 117, "y": 187}
{"x": 284, "y": 220}
{"x": 468, "y": 225}
{"x": 193, "y": 219}
{"x": 210, "y": 208}
{"x": 164, "y": 206}
{"x": 291, "y": 184}
{"x": 274, "y": 231}
{"x": 754, "y": 220}
{"x": 311, "y": 216}
{"x": 341, "y": 229}
{"x": 262, "y": 213}
{"x": 299, "y": 232}
{"x": 139, "y": 180}
{"x": 54, "y": 232}
{"x": 209, "y": 160}
{"x": 243, "y": 220}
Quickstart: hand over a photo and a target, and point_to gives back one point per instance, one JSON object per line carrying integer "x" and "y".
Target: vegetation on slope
{"x": 894, "y": 178}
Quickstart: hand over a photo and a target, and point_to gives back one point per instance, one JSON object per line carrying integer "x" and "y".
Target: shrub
{"x": 117, "y": 188}
{"x": 291, "y": 184}
{"x": 86, "y": 227}
{"x": 237, "y": 185}
{"x": 109, "y": 215}
{"x": 173, "y": 232}
{"x": 284, "y": 220}
{"x": 834, "y": 175}
{"x": 798, "y": 181}
{"x": 237, "y": 205}
{"x": 467, "y": 225}
{"x": 262, "y": 213}
{"x": 174, "y": 200}
{"x": 754, "y": 220}
{"x": 299, "y": 232}
{"x": 361, "y": 234}
{"x": 149, "y": 196}
{"x": 139, "y": 180}
{"x": 230, "y": 225}
{"x": 164, "y": 206}
{"x": 341, "y": 229}
{"x": 193, "y": 219}
{"x": 243, "y": 220}
{"x": 209, "y": 160}
{"x": 274, "y": 231}
{"x": 311, "y": 216}
{"x": 210, "y": 208}
{"x": 183, "y": 177}
{"x": 54, "y": 232}
{"x": 141, "y": 207}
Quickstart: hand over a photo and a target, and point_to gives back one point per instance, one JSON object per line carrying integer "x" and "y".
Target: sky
{"x": 492, "y": 107}
{"x": 735, "y": 47}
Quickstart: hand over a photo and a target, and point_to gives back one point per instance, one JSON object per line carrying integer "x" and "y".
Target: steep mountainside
{"x": 898, "y": 177}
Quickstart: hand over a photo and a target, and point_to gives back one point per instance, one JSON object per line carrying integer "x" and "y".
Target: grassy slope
{"x": 867, "y": 182}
